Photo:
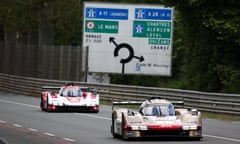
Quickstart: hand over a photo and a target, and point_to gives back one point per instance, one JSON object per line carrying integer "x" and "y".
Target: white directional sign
{"x": 129, "y": 39}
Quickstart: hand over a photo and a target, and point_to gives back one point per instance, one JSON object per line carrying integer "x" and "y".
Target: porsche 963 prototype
{"x": 156, "y": 117}
{"x": 69, "y": 97}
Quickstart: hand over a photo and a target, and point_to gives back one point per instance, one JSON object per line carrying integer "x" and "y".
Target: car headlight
{"x": 189, "y": 127}
{"x": 138, "y": 127}
{"x": 135, "y": 127}
{"x": 143, "y": 127}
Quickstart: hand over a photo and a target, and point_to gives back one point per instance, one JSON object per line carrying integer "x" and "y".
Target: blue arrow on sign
{"x": 106, "y": 13}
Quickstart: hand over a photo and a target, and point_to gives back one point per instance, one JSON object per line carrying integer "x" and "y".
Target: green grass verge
{"x": 224, "y": 117}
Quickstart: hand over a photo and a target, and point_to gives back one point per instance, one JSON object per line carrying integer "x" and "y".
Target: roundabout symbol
{"x": 131, "y": 55}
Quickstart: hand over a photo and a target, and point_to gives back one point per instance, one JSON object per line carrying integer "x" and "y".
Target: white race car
{"x": 69, "y": 97}
{"x": 156, "y": 118}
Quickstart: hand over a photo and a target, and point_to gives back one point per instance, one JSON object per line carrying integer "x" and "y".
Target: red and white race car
{"x": 69, "y": 97}
{"x": 156, "y": 118}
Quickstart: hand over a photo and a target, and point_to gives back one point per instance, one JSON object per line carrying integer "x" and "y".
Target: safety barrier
{"x": 208, "y": 102}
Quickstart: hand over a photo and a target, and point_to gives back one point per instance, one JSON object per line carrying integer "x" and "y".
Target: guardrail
{"x": 208, "y": 102}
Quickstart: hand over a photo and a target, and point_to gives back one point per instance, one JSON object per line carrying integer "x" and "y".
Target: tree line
{"x": 206, "y": 44}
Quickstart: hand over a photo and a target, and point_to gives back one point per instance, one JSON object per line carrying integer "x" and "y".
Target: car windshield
{"x": 159, "y": 110}
{"x": 72, "y": 91}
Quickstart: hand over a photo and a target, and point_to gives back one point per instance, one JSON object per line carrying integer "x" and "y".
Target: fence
{"x": 209, "y": 102}
{"x": 48, "y": 62}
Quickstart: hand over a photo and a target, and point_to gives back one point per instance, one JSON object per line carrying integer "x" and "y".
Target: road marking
{"x": 223, "y": 138}
{"x": 22, "y": 104}
{"x": 17, "y": 125}
{"x": 49, "y": 134}
{"x": 1, "y": 121}
{"x": 236, "y": 122}
{"x": 68, "y": 139}
{"x": 101, "y": 117}
{"x": 31, "y": 129}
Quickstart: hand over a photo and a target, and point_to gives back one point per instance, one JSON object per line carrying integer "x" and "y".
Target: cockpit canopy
{"x": 72, "y": 91}
{"x": 158, "y": 110}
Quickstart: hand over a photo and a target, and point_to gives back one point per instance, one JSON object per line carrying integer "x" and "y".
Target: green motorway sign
{"x": 101, "y": 26}
{"x": 152, "y": 29}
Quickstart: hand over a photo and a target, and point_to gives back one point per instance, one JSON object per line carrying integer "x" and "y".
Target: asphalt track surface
{"x": 22, "y": 122}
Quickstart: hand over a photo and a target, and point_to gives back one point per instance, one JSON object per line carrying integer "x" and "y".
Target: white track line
{"x": 49, "y": 134}
{"x": 223, "y": 138}
{"x": 22, "y": 104}
{"x": 17, "y": 125}
{"x": 35, "y": 130}
{"x": 1, "y": 121}
{"x": 31, "y": 129}
{"x": 68, "y": 139}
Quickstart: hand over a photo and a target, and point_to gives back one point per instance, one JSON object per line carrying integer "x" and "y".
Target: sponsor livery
{"x": 156, "y": 117}
{"x": 69, "y": 97}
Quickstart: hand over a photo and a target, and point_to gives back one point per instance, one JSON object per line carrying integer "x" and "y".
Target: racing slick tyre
{"x": 113, "y": 128}
{"x": 47, "y": 106}
{"x": 42, "y": 105}
{"x": 124, "y": 136}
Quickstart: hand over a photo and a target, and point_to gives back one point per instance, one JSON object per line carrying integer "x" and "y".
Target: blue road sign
{"x": 106, "y": 13}
{"x": 153, "y": 14}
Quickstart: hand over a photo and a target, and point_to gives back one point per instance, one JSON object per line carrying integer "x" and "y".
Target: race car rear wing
{"x": 50, "y": 87}
{"x": 179, "y": 104}
{"x": 84, "y": 89}
{"x": 126, "y": 103}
